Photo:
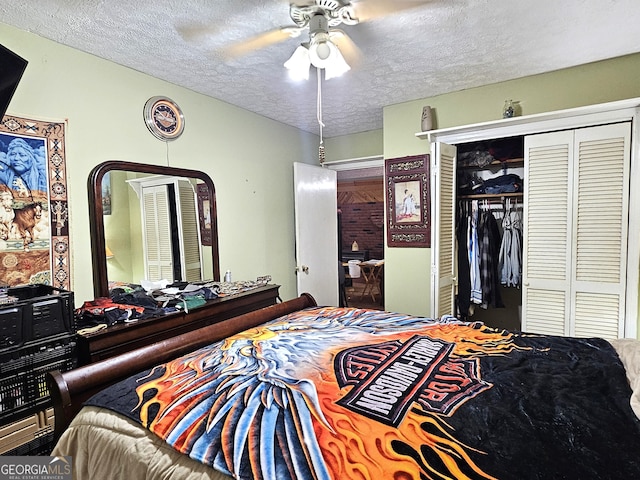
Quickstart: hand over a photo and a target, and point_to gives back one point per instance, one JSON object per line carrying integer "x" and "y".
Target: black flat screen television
{"x": 12, "y": 67}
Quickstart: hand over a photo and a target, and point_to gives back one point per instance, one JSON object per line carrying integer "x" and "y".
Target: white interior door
{"x": 156, "y": 220}
{"x": 443, "y": 241}
{"x": 316, "y": 225}
{"x": 189, "y": 231}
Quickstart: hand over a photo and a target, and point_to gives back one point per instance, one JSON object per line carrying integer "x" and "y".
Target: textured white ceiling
{"x": 437, "y": 47}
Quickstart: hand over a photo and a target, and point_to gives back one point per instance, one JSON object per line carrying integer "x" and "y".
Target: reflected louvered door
{"x": 575, "y": 231}
{"x": 157, "y": 233}
{"x": 546, "y": 232}
{"x": 601, "y": 203}
{"x": 443, "y": 268}
{"x": 190, "y": 231}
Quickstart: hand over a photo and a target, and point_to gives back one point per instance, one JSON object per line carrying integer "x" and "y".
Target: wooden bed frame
{"x": 70, "y": 389}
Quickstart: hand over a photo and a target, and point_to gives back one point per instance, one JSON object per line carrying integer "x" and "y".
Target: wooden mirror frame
{"x": 96, "y": 218}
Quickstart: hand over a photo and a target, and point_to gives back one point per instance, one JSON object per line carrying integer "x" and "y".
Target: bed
{"x": 300, "y": 391}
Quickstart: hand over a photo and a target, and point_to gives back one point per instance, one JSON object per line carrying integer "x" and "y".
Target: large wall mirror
{"x": 151, "y": 222}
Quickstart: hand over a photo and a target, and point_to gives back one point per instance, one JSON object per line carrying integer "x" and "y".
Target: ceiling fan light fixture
{"x": 322, "y": 51}
{"x": 298, "y": 64}
{"x": 336, "y": 67}
{"x": 325, "y": 54}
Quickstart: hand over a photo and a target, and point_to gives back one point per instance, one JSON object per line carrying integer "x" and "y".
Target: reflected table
{"x": 372, "y": 274}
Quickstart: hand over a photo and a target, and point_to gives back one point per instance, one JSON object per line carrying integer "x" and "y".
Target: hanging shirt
{"x": 505, "y": 249}
{"x": 464, "y": 280}
{"x": 511, "y": 249}
{"x": 474, "y": 257}
{"x": 489, "y": 238}
{"x": 516, "y": 249}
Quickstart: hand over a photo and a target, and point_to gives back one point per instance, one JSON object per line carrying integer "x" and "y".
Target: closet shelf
{"x": 510, "y": 162}
{"x": 481, "y": 196}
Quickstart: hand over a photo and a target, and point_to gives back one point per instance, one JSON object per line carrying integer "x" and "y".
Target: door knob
{"x": 304, "y": 268}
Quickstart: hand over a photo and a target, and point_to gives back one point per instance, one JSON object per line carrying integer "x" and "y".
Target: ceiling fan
{"x": 327, "y": 46}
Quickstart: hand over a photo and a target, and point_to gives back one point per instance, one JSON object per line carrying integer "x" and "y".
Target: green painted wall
{"x": 249, "y": 157}
{"x": 125, "y": 264}
{"x": 359, "y": 145}
{"x": 407, "y": 270}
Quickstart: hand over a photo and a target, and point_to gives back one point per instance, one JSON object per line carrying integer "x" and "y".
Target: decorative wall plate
{"x": 164, "y": 118}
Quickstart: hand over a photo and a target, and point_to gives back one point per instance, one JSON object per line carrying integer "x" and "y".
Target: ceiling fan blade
{"x": 196, "y": 33}
{"x": 366, "y": 10}
{"x": 260, "y": 41}
{"x": 349, "y": 50}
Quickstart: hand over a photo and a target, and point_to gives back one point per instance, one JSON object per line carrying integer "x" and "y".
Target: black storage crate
{"x": 23, "y": 387}
{"x": 40, "y": 312}
{"x": 11, "y": 327}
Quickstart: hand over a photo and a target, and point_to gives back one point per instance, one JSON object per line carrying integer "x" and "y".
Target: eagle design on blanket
{"x": 326, "y": 393}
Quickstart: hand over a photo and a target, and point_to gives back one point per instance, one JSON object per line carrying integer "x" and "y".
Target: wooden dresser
{"x": 121, "y": 338}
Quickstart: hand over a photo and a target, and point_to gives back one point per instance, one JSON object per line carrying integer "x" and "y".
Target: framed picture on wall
{"x": 34, "y": 226}
{"x": 408, "y": 201}
{"x": 204, "y": 209}
{"x": 106, "y": 194}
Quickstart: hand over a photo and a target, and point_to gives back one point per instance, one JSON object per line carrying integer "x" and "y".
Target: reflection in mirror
{"x": 150, "y": 223}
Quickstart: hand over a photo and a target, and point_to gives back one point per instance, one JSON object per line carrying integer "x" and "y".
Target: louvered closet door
{"x": 547, "y": 227}
{"x": 157, "y": 233}
{"x": 443, "y": 268}
{"x": 600, "y": 217}
{"x": 576, "y": 219}
{"x": 190, "y": 231}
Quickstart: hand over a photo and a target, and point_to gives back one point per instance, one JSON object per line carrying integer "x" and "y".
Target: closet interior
{"x": 489, "y": 197}
{"x": 580, "y": 221}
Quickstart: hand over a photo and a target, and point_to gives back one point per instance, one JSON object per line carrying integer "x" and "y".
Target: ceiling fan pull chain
{"x": 319, "y": 115}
